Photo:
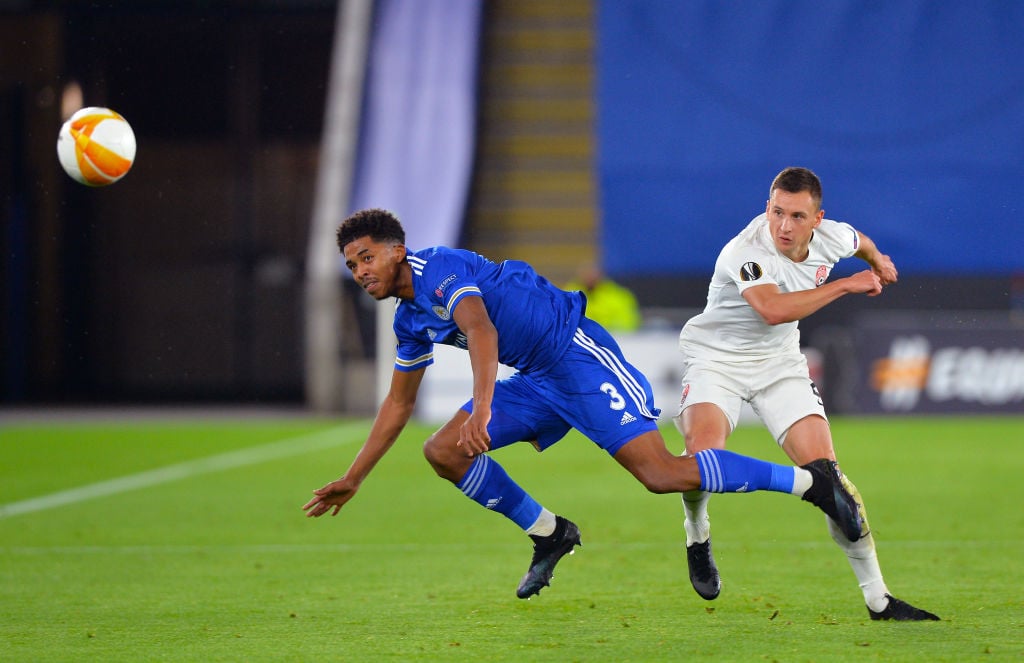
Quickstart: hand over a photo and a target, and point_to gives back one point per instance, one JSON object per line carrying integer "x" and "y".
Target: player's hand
{"x": 885, "y": 269}
{"x": 331, "y": 497}
{"x": 865, "y": 282}
{"x": 473, "y": 436}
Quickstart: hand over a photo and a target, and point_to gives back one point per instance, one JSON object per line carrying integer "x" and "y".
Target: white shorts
{"x": 779, "y": 390}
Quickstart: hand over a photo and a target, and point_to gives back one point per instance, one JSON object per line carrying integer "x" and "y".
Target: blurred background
{"x": 634, "y": 135}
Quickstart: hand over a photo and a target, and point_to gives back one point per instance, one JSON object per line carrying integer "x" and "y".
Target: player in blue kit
{"x": 570, "y": 374}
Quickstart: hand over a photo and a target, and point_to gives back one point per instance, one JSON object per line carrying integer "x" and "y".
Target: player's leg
{"x": 482, "y": 479}
{"x": 708, "y": 411}
{"x": 720, "y": 471}
{"x": 600, "y": 394}
{"x": 704, "y": 426}
{"x": 648, "y": 459}
{"x": 810, "y": 438}
{"x": 807, "y": 438}
{"x": 485, "y": 481}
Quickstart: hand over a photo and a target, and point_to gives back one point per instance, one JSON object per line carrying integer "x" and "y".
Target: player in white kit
{"x": 745, "y": 347}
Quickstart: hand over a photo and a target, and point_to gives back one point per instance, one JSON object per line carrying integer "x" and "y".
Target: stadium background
{"x": 642, "y": 134}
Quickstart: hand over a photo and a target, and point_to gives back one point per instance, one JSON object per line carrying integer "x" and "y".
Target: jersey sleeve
{"x": 411, "y": 354}
{"x": 746, "y": 265}
{"x": 841, "y": 240}
{"x": 451, "y": 277}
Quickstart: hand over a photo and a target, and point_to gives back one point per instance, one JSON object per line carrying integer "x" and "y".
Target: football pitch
{"x": 184, "y": 540}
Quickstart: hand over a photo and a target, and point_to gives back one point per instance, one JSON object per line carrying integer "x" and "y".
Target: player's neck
{"x": 403, "y": 282}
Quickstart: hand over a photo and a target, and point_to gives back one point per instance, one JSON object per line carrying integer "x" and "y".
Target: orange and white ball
{"x": 96, "y": 146}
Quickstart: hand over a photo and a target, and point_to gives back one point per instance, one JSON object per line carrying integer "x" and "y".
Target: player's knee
{"x": 448, "y": 461}
{"x": 435, "y": 454}
{"x": 698, "y": 439}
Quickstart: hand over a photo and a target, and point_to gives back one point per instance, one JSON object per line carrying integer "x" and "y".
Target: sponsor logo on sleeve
{"x": 439, "y": 290}
{"x": 750, "y": 271}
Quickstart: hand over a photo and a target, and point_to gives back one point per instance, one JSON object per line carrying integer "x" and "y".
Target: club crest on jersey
{"x": 750, "y": 271}
{"x": 821, "y": 276}
{"x": 440, "y": 312}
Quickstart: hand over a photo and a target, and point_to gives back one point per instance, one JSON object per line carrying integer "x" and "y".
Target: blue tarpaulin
{"x": 910, "y": 111}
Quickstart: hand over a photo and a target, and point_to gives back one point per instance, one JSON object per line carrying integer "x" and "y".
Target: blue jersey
{"x": 535, "y": 320}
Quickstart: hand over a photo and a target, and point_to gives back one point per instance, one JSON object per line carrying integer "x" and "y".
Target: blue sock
{"x": 727, "y": 472}
{"x": 487, "y": 484}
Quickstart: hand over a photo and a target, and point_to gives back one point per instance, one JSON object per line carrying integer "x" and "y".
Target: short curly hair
{"x": 377, "y": 224}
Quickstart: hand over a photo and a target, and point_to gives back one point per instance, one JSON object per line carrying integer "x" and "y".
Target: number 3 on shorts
{"x": 617, "y": 401}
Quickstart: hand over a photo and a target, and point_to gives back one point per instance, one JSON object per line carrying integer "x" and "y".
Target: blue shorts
{"x": 592, "y": 388}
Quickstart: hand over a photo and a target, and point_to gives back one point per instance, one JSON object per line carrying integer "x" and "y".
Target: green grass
{"x": 223, "y": 566}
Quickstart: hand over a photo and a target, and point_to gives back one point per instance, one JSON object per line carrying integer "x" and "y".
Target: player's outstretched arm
{"x": 881, "y": 264}
{"x": 777, "y": 307}
{"x": 392, "y": 417}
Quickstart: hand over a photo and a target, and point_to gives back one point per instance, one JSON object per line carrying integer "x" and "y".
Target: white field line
{"x": 295, "y": 446}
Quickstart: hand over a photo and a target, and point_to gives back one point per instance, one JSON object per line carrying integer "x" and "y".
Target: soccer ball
{"x": 96, "y": 146}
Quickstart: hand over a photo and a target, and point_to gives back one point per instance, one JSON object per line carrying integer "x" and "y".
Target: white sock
{"x": 544, "y": 525}
{"x": 864, "y": 562}
{"x": 696, "y": 524}
{"x": 802, "y": 480}
{"x": 863, "y": 557}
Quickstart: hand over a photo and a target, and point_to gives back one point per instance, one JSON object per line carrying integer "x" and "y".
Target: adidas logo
{"x": 493, "y": 502}
{"x": 627, "y": 418}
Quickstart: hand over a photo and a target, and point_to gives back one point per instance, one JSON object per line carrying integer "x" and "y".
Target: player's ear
{"x": 400, "y": 252}
{"x": 818, "y": 217}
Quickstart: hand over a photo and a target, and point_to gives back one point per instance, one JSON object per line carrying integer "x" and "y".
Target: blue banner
{"x": 417, "y": 139}
{"x": 910, "y": 111}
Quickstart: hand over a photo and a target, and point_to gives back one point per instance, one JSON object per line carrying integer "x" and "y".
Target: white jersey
{"x": 730, "y": 328}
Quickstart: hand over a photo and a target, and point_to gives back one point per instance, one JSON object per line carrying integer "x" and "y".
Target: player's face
{"x": 792, "y": 218}
{"x": 376, "y": 267}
